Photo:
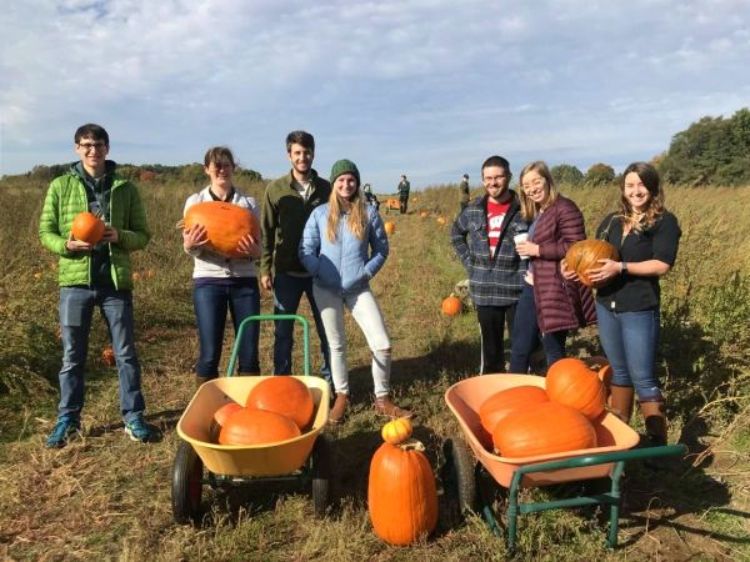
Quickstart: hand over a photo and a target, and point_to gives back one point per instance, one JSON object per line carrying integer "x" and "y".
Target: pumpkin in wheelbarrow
{"x": 571, "y": 382}
{"x": 226, "y": 224}
{"x": 286, "y": 396}
{"x": 249, "y": 426}
{"x": 504, "y": 403}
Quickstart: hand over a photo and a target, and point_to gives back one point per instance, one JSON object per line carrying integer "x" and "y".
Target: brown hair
{"x": 529, "y": 209}
{"x": 302, "y": 138}
{"x": 218, "y": 154}
{"x": 655, "y": 206}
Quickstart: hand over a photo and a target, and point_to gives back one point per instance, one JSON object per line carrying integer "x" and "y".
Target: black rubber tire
{"x": 321, "y": 473}
{"x": 463, "y": 465}
{"x": 187, "y": 485}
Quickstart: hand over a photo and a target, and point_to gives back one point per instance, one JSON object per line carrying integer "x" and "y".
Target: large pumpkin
{"x": 401, "y": 494}
{"x": 284, "y": 395}
{"x": 507, "y": 401}
{"x": 87, "y": 227}
{"x": 543, "y": 429}
{"x": 225, "y": 225}
{"x": 571, "y": 382}
{"x": 249, "y": 426}
{"x": 451, "y": 306}
{"x": 585, "y": 255}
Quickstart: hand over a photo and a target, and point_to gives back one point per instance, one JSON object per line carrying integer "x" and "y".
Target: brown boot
{"x": 621, "y": 402}
{"x": 338, "y": 411}
{"x": 385, "y": 407}
{"x": 656, "y": 423}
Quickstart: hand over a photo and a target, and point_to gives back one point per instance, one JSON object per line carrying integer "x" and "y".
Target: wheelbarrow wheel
{"x": 321, "y": 473}
{"x": 187, "y": 485}
{"x": 460, "y": 459}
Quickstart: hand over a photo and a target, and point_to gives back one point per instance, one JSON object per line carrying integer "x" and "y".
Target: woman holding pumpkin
{"x": 549, "y": 306}
{"x": 343, "y": 246}
{"x": 219, "y": 282}
{"x": 627, "y": 302}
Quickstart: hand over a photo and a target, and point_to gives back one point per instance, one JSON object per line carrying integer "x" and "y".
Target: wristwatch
{"x": 624, "y": 268}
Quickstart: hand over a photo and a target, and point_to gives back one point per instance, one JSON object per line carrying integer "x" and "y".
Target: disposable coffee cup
{"x": 522, "y": 237}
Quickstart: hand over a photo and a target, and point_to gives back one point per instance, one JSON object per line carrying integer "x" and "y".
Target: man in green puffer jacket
{"x": 95, "y": 275}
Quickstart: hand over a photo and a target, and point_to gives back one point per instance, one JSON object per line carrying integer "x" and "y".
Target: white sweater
{"x": 211, "y": 264}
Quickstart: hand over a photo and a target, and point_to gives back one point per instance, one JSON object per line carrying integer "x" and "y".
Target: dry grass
{"x": 106, "y": 498}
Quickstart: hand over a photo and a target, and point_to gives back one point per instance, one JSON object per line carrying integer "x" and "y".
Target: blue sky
{"x": 427, "y": 87}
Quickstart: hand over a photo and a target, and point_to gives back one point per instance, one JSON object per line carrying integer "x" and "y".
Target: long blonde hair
{"x": 655, "y": 206}
{"x": 529, "y": 209}
{"x": 357, "y": 220}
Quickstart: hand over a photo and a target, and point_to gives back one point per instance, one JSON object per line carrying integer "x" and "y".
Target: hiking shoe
{"x": 66, "y": 427}
{"x": 385, "y": 407}
{"x": 336, "y": 415}
{"x": 138, "y": 430}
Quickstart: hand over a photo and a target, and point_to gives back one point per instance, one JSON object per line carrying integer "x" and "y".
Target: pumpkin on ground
{"x": 585, "y": 255}
{"x": 249, "y": 426}
{"x": 226, "y": 224}
{"x": 390, "y": 227}
{"x": 396, "y": 431}
{"x": 571, "y": 382}
{"x": 87, "y": 227}
{"x": 401, "y": 494}
{"x": 441, "y": 221}
{"x": 507, "y": 401}
{"x": 286, "y": 396}
{"x": 424, "y": 214}
{"x": 543, "y": 429}
{"x": 451, "y": 306}
{"x": 393, "y": 204}
{"x": 108, "y": 356}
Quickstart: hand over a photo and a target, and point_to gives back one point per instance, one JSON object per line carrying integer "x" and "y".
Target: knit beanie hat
{"x": 342, "y": 167}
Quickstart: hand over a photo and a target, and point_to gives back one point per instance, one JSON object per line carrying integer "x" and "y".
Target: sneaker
{"x": 138, "y": 430}
{"x": 66, "y": 427}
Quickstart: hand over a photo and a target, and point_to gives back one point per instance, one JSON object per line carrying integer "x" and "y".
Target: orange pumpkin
{"x": 401, "y": 495}
{"x": 572, "y": 383}
{"x": 543, "y": 429}
{"x": 286, "y": 396}
{"x": 108, "y": 356}
{"x": 507, "y": 401}
{"x": 225, "y": 225}
{"x": 393, "y": 204}
{"x": 451, "y": 306}
{"x": 396, "y": 431}
{"x": 585, "y": 255}
{"x": 390, "y": 227}
{"x": 441, "y": 221}
{"x": 248, "y": 426}
{"x": 87, "y": 227}
{"x": 222, "y": 414}
{"x": 424, "y": 214}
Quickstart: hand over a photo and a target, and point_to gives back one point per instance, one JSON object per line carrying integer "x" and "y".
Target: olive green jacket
{"x": 282, "y": 221}
{"x": 66, "y": 197}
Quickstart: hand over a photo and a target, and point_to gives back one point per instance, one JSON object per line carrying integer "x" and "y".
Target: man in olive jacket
{"x": 95, "y": 275}
{"x": 287, "y": 204}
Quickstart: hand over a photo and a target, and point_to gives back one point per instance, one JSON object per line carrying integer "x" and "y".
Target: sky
{"x": 427, "y": 88}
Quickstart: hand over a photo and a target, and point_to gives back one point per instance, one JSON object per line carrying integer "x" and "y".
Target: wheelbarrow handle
{"x": 265, "y": 317}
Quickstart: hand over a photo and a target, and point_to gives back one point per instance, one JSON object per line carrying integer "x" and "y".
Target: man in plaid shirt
{"x": 482, "y": 236}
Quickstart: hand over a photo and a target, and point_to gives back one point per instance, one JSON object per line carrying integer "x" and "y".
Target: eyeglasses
{"x": 534, "y": 187}
{"x": 89, "y": 146}
{"x": 223, "y": 165}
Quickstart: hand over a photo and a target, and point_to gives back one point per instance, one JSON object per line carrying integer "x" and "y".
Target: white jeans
{"x": 366, "y": 313}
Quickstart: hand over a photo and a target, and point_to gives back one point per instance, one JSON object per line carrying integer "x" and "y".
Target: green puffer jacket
{"x": 66, "y": 197}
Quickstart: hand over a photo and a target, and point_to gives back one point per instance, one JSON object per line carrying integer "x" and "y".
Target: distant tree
{"x": 600, "y": 174}
{"x": 565, "y": 174}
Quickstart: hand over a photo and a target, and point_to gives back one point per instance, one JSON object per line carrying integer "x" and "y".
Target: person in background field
{"x": 343, "y": 246}
{"x": 627, "y": 307}
{"x": 287, "y": 204}
{"x": 482, "y": 237}
{"x": 463, "y": 190}
{"x": 371, "y": 198}
{"x": 549, "y": 306}
{"x": 95, "y": 276}
{"x": 221, "y": 283}
{"x": 403, "y": 194}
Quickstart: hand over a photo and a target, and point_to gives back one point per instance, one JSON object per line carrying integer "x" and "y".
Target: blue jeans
{"x": 76, "y": 310}
{"x": 526, "y": 335}
{"x": 287, "y": 293}
{"x": 629, "y": 340}
{"x": 211, "y": 303}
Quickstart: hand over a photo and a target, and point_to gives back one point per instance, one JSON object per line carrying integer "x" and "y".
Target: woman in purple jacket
{"x": 549, "y": 306}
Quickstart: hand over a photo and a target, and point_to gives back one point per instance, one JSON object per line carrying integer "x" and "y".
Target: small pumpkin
{"x": 225, "y": 225}
{"x": 570, "y": 382}
{"x": 396, "y": 431}
{"x": 249, "y": 426}
{"x": 424, "y": 214}
{"x": 441, "y": 221}
{"x": 286, "y": 396}
{"x": 401, "y": 493}
{"x": 108, "y": 356}
{"x": 543, "y": 429}
{"x": 393, "y": 204}
{"x": 585, "y": 255}
{"x": 390, "y": 227}
{"x": 451, "y": 306}
{"x": 507, "y": 401}
{"x": 87, "y": 227}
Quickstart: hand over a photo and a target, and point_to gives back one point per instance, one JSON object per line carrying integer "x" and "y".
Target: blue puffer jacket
{"x": 345, "y": 265}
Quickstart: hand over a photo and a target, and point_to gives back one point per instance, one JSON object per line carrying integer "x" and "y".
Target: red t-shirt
{"x": 495, "y": 215}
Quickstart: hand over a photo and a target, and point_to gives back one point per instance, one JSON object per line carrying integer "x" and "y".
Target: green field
{"x": 106, "y": 498}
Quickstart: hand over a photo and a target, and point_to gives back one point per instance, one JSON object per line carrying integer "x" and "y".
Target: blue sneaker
{"x": 138, "y": 430}
{"x": 66, "y": 427}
